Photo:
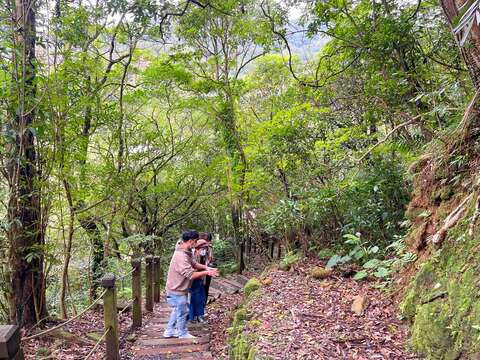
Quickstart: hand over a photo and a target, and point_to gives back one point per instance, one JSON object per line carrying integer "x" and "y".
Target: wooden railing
{"x": 10, "y": 339}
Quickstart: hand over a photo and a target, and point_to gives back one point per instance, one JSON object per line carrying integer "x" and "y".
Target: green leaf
{"x": 381, "y": 272}
{"x": 360, "y": 275}
{"x": 373, "y": 249}
{"x": 334, "y": 260}
{"x": 372, "y": 264}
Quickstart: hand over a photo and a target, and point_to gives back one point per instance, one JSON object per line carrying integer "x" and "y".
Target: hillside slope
{"x": 442, "y": 302}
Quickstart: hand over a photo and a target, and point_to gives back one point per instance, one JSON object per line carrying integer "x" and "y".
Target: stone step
{"x": 233, "y": 282}
{"x": 223, "y": 287}
{"x": 173, "y": 349}
{"x": 158, "y": 333}
{"x": 160, "y": 342}
{"x": 151, "y": 345}
{"x": 205, "y": 355}
{"x": 160, "y": 324}
{"x": 242, "y": 279}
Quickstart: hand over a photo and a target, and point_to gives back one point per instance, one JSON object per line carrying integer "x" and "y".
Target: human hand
{"x": 212, "y": 272}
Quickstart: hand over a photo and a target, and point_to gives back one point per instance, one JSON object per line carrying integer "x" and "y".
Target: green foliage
{"x": 290, "y": 259}
{"x": 251, "y": 286}
{"x": 380, "y": 265}
{"x": 137, "y": 141}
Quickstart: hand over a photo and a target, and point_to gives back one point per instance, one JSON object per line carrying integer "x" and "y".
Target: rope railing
{"x": 127, "y": 274}
{"x": 126, "y": 307}
{"x": 95, "y": 347}
{"x": 45, "y": 332}
{"x": 111, "y": 335}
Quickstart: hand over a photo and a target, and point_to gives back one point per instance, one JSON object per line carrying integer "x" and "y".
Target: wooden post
{"x": 10, "y": 343}
{"x": 149, "y": 283}
{"x": 137, "y": 293}
{"x": 156, "y": 279}
{"x": 110, "y": 317}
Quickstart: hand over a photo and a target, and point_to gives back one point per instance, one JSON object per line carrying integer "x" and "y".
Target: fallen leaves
{"x": 312, "y": 319}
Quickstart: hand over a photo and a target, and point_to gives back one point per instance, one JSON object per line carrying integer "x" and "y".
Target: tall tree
{"x": 227, "y": 36}
{"x": 25, "y": 233}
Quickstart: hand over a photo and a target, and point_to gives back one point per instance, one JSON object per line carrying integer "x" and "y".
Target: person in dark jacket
{"x": 209, "y": 252}
{"x": 197, "y": 289}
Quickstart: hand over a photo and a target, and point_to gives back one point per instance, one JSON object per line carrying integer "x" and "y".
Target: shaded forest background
{"x": 124, "y": 122}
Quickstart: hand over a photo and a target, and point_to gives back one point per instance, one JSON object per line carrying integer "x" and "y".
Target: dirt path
{"x": 298, "y": 317}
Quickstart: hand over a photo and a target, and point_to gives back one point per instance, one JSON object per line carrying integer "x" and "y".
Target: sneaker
{"x": 201, "y": 320}
{"x": 168, "y": 334}
{"x": 187, "y": 336}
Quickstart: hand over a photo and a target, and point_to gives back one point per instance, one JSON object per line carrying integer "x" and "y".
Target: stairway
{"x": 150, "y": 343}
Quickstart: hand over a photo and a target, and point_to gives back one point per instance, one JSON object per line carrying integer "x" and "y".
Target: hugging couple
{"x": 188, "y": 274}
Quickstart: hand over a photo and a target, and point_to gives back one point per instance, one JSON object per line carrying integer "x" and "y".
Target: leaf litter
{"x": 304, "y": 318}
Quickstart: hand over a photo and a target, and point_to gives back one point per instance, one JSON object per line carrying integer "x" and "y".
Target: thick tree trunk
{"x": 238, "y": 170}
{"x": 25, "y": 231}
{"x": 471, "y": 50}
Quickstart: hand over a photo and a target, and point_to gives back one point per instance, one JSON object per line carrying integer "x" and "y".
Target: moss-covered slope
{"x": 443, "y": 299}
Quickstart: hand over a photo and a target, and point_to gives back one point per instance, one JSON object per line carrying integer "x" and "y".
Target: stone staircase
{"x": 150, "y": 343}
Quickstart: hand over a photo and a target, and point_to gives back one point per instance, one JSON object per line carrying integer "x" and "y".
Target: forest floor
{"x": 77, "y": 347}
{"x": 299, "y": 317}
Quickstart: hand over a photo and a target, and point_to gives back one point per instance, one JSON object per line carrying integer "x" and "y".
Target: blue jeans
{"x": 178, "y": 317}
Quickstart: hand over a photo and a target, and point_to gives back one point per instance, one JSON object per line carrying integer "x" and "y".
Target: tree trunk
{"x": 471, "y": 51}
{"x": 238, "y": 169}
{"x": 90, "y": 226}
{"x": 68, "y": 251}
{"x": 25, "y": 231}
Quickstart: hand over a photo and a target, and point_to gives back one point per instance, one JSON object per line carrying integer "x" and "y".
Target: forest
{"x": 333, "y": 139}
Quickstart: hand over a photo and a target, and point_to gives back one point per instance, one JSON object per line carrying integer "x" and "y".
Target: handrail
{"x": 66, "y": 322}
{"x": 125, "y": 308}
{"x": 111, "y": 336}
{"x": 97, "y": 344}
{"x": 125, "y": 275}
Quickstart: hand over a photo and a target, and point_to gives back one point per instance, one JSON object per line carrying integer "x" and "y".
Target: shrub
{"x": 252, "y": 285}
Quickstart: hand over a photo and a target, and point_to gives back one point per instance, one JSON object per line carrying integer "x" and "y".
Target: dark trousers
{"x": 208, "y": 280}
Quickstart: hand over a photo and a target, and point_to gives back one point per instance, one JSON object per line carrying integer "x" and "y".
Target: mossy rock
{"x": 318, "y": 272}
{"x": 290, "y": 259}
{"x": 433, "y": 317}
{"x": 252, "y": 285}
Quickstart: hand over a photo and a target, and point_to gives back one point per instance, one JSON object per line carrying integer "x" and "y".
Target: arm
{"x": 199, "y": 266}
{"x": 199, "y": 274}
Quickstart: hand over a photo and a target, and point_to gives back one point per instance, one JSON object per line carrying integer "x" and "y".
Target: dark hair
{"x": 189, "y": 235}
{"x": 206, "y": 236}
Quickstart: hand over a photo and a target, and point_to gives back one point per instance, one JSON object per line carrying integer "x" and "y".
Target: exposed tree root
{"x": 451, "y": 220}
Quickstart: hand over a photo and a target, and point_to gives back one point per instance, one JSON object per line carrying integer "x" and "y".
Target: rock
{"x": 318, "y": 272}
{"x": 131, "y": 338}
{"x": 267, "y": 281}
{"x": 359, "y": 304}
